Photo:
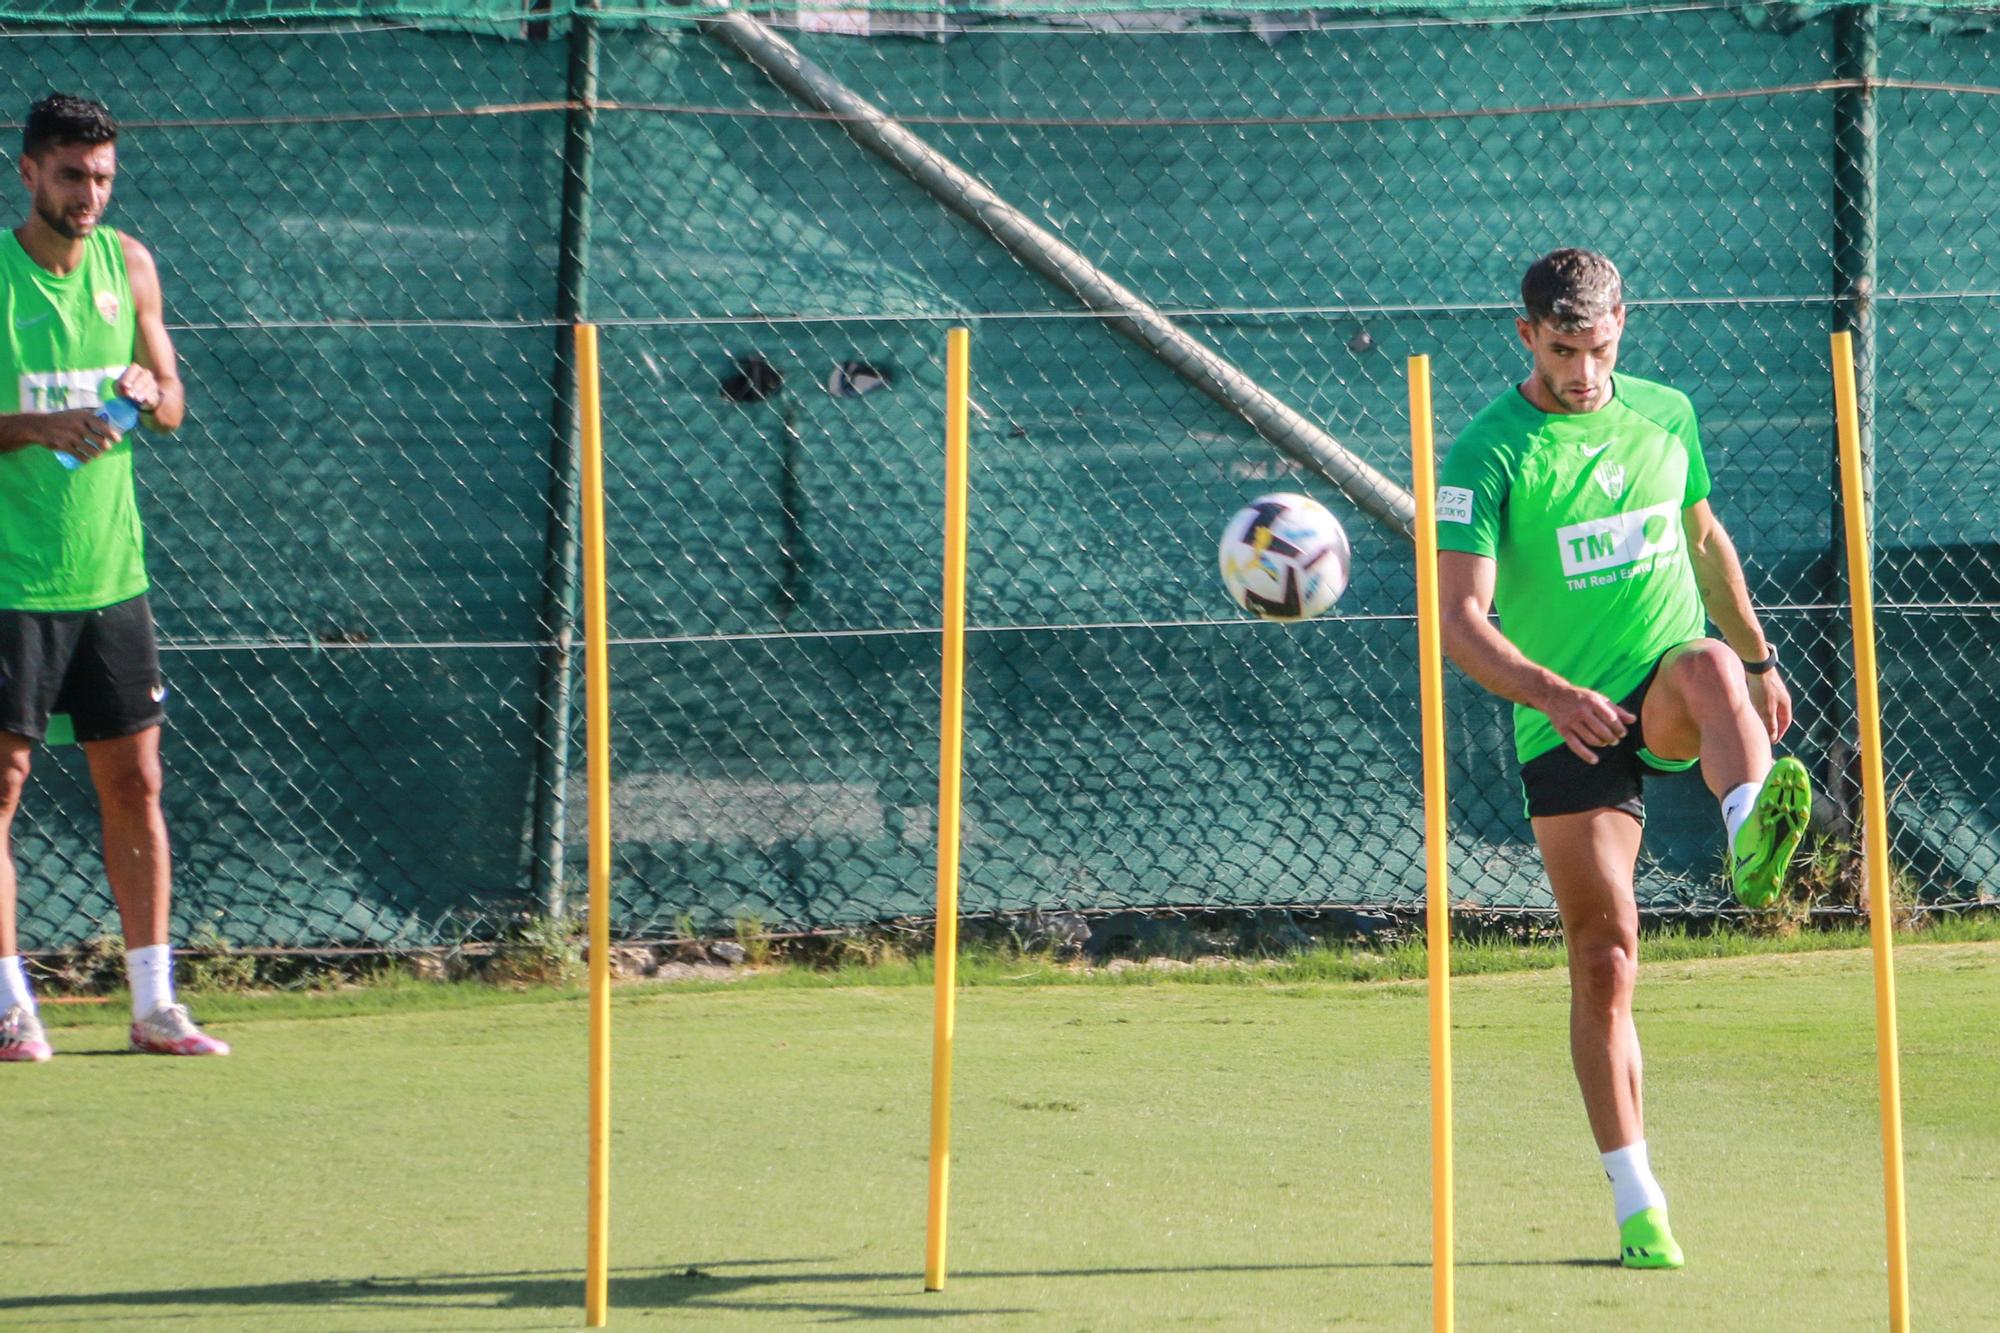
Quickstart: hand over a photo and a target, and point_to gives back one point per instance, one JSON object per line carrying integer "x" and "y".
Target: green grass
{"x": 1177, "y": 1153}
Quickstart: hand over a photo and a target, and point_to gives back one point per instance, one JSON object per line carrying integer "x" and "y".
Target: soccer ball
{"x": 1284, "y": 557}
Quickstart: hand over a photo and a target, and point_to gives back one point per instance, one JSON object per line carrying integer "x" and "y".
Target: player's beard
{"x": 1568, "y": 401}
{"x": 61, "y": 225}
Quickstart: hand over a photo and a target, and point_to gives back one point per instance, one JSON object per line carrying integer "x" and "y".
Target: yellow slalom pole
{"x": 597, "y": 732}
{"x": 1437, "y": 893}
{"x": 957, "y": 379}
{"x": 1875, "y": 821}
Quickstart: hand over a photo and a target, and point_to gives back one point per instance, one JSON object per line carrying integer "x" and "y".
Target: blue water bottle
{"x": 121, "y": 412}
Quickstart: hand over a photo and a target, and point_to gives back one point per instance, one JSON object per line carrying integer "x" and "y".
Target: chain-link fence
{"x": 373, "y": 232}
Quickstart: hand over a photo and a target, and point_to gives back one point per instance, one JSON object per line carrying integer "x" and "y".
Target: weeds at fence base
{"x": 91, "y": 968}
{"x": 211, "y": 963}
{"x": 538, "y": 950}
{"x": 533, "y": 951}
{"x": 1828, "y": 881}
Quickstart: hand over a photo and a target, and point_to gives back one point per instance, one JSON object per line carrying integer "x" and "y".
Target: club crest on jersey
{"x": 1610, "y": 478}
{"x": 108, "y": 306}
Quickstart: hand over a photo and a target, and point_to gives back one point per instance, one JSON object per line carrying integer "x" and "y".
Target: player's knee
{"x": 1710, "y": 673}
{"x": 13, "y": 779}
{"x": 1603, "y": 971}
{"x": 133, "y": 786}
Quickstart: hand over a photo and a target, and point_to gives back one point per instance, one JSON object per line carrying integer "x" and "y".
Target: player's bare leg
{"x": 139, "y": 864}
{"x": 1590, "y": 859}
{"x": 1700, "y": 706}
{"x": 137, "y": 860}
{"x": 15, "y": 755}
{"x": 21, "y": 1035}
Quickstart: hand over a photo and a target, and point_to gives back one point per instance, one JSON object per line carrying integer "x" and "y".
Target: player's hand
{"x": 79, "y": 432}
{"x": 1586, "y": 720}
{"x": 1772, "y": 701}
{"x": 138, "y": 384}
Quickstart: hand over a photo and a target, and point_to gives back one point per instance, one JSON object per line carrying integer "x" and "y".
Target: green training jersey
{"x": 69, "y": 540}
{"x": 1581, "y": 514}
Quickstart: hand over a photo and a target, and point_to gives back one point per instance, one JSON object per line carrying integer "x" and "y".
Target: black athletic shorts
{"x": 1556, "y": 782}
{"x": 100, "y": 667}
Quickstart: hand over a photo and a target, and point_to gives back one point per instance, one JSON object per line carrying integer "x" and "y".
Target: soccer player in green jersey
{"x": 1576, "y": 506}
{"x": 81, "y": 322}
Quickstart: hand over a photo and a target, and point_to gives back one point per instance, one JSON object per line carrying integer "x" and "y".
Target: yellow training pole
{"x": 597, "y": 732}
{"x": 1437, "y": 893}
{"x": 1875, "y": 822}
{"x": 950, "y": 745}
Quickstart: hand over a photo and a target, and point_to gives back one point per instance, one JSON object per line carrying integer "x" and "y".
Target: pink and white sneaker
{"x": 168, "y": 1030}
{"x": 21, "y": 1036}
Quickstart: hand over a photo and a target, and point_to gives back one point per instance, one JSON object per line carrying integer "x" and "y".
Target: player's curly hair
{"x": 63, "y": 118}
{"x": 1568, "y": 290}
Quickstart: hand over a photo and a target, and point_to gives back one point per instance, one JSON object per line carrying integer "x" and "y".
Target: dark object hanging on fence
{"x": 755, "y": 380}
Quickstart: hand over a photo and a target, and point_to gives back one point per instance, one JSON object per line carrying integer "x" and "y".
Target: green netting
{"x": 499, "y": 15}
{"x": 362, "y": 232}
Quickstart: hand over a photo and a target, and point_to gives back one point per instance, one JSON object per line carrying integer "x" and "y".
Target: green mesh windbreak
{"x": 1152, "y": 13}
{"x": 361, "y": 228}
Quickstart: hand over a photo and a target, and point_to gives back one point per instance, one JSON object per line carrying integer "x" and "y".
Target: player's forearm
{"x": 1484, "y": 653}
{"x": 168, "y": 414}
{"x": 1725, "y": 594}
{"x": 20, "y": 430}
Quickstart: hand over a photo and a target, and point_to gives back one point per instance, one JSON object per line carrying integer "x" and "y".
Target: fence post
{"x": 559, "y": 564}
{"x": 1854, "y": 215}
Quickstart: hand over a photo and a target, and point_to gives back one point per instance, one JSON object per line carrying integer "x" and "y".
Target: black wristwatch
{"x": 1768, "y": 663}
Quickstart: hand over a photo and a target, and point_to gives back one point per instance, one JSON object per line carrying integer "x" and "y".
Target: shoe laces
{"x": 19, "y": 1025}
{"x": 172, "y": 1021}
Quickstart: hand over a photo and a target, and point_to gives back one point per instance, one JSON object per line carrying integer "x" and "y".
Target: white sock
{"x": 150, "y": 972}
{"x": 1632, "y": 1185}
{"x": 1736, "y": 806}
{"x": 14, "y": 985}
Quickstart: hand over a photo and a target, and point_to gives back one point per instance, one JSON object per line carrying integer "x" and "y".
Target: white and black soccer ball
{"x": 1284, "y": 557}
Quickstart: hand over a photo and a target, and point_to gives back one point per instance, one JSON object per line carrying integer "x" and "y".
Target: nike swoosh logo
{"x": 1589, "y": 452}
{"x": 30, "y": 323}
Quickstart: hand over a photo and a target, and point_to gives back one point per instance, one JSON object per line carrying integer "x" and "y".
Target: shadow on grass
{"x": 724, "y": 1285}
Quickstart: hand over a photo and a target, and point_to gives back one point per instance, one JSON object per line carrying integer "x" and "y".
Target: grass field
{"x": 1167, "y": 1154}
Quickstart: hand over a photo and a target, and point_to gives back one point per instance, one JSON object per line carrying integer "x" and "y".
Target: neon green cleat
{"x": 1770, "y": 834}
{"x": 1645, "y": 1242}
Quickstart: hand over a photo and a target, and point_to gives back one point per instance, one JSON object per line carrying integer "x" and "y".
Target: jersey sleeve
{"x": 1690, "y": 437}
{"x": 1472, "y": 490}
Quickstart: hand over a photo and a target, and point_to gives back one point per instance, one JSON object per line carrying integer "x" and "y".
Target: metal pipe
{"x": 1854, "y": 216}
{"x": 1854, "y": 222}
{"x": 560, "y": 560}
{"x": 970, "y": 198}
